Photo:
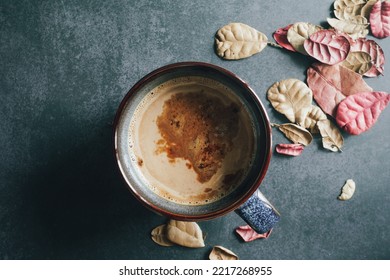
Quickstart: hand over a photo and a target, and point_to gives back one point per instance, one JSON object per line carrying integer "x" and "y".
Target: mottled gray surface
{"x": 64, "y": 68}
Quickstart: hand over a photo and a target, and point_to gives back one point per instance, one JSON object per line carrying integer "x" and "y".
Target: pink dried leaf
{"x": 289, "y": 149}
{"x": 328, "y": 47}
{"x": 248, "y": 234}
{"x": 357, "y": 113}
{"x": 331, "y": 84}
{"x": 280, "y": 36}
{"x": 380, "y": 19}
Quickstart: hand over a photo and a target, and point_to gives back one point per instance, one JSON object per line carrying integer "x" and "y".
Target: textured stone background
{"x": 64, "y": 68}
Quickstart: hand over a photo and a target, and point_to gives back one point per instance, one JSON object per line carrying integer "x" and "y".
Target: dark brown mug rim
{"x": 166, "y": 69}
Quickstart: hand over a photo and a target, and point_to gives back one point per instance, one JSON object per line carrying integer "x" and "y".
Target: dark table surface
{"x": 64, "y": 68}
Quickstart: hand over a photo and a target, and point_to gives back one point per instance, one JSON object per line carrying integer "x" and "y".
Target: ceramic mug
{"x": 222, "y": 136}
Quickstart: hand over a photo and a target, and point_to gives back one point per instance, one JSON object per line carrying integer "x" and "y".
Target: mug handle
{"x": 258, "y": 213}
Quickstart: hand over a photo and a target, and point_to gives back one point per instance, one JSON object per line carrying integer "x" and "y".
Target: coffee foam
{"x": 174, "y": 181}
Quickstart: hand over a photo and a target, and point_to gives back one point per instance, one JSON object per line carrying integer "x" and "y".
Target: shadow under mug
{"x": 246, "y": 200}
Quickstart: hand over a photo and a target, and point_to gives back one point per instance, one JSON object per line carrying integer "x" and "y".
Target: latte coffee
{"x": 192, "y": 140}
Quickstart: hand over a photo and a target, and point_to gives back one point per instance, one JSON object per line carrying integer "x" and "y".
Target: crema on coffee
{"x": 192, "y": 139}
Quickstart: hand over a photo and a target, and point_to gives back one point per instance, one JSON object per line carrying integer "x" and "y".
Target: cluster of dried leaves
{"x": 335, "y": 82}
{"x": 189, "y": 234}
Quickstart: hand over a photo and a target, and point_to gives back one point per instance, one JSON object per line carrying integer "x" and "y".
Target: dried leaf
{"x": 295, "y": 133}
{"x": 359, "y": 62}
{"x": 299, "y": 32}
{"x": 380, "y": 19}
{"x": 289, "y": 149}
{"x": 357, "y": 113}
{"x": 160, "y": 237}
{"x": 314, "y": 115}
{"x": 186, "y": 234}
{"x": 221, "y": 253}
{"x": 346, "y": 9}
{"x": 292, "y": 98}
{"x": 347, "y": 190}
{"x": 376, "y": 53}
{"x": 331, "y": 84}
{"x": 248, "y": 234}
{"x": 280, "y": 36}
{"x": 366, "y": 10}
{"x": 238, "y": 40}
{"x": 328, "y": 47}
{"x": 356, "y": 27}
{"x": 331, "y": 137}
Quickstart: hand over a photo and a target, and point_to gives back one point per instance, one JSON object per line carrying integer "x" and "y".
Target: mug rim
{"x": 267, "y": 150}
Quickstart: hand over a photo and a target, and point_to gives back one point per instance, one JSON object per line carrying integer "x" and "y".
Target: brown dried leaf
{"x": 238, "y": 40}
{"x": 366, "y": 10}
{"x": 160, "y": 237}
{"x": 299, "y": 32}
{"x": 295, "y": 133}
{"x": 376, "y": 53}
{"x": 186, "y": 234}
{"x": 292, "y": 98}
{"x": 331, "y": 137}
{"x": 221, "y": 253}
{"x": 314, "y": 115}
{"x": 359, "y": 62}
{"x": 356, "y": 27}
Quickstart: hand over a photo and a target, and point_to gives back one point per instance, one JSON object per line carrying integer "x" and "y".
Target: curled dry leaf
{"x": 366, "y": 10}
{"x": 292, "y": 98}
{"x": 160, "y": 237}
{"x": 356, "y": 27}
{"x": 357, "y": 113}
{"x": 328, "y": 47}
{"x": 221, "y": 253}
{"x": 331, "y": 137}
{"x": 248, "y": 234}
{"x": 347, "y": 190}
{"x": 289, "y": 149}
{"x": 376, "y": 53}
{"x": 380, "y": 19}
{"x": 346, "y": 9}
{"x": 314, "y": 115}
{"x": 238, "y": 40}
{"x": 299, "y": 32}
{"x": 186, "y": 234}
{"x": 296, "y": 134}
{"x": 331, "y": 84}
{"x": 280, "y": 36}
{"x": 359, "y": 62}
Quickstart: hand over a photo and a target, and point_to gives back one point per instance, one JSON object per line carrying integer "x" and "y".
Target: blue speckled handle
{"x": 259, "y": 213}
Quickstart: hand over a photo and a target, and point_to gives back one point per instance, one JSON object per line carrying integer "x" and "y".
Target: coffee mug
{"x": 193, "y": 142}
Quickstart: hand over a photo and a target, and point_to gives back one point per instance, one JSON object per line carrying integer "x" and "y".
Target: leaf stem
{"x": 275, "y": 125}
{"x": 273, "y": 44}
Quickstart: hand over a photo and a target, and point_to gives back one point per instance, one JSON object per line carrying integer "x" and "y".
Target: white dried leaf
{"x": 187, "y": 234}
{"x": 238, "y": 40}
{"x": 347, "y": 190}
{"x": 221, "y": 253}
{"x": 292, "y": 98}
{"x": 366, "y": 10}
{"x": 299, "y": 32}
{"x": 346, "y": 9}
{"x": 159, "y": 236}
